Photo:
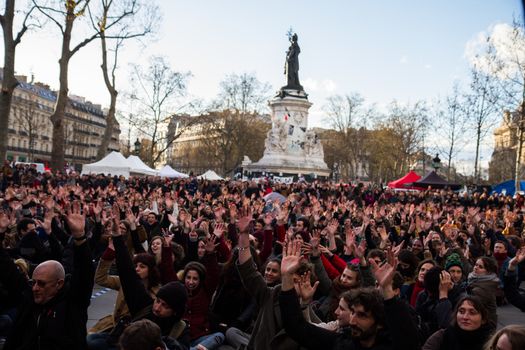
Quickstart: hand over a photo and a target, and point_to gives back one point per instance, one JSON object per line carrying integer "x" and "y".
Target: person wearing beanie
{"x": 454, "y": 266}
{"x": 166, "y": 309}
{"x": 200, "y": 281}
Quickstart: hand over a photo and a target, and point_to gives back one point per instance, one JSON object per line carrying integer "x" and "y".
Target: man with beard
{"x": 378, "y": 320}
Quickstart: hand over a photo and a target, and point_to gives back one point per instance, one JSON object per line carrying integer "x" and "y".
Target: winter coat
{"x": 61, "y": 322}
{"x": 102, "y": 278}
{"x": 198, "y": 304}
{"x": 139, "y": 300}
{"x": 268, "y": 330}
{"x": 454, "y": 338}
{"x": 400, "y": 334}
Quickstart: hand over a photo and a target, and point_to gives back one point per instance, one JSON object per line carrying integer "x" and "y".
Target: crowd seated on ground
{"x": 202, "y": 264}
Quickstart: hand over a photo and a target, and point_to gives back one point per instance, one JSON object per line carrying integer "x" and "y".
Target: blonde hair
{"x": 23, "y": 266}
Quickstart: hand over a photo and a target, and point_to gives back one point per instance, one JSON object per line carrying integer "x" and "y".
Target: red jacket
{"x": 198, "y": 304}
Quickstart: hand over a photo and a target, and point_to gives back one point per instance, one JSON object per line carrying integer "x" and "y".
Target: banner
{"x": 283, "y": 179}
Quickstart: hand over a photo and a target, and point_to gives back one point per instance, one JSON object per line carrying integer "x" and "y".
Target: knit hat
{"x": 174, "y": 294}
{"x": 453, "y": 260}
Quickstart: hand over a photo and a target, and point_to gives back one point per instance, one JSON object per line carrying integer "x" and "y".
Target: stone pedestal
{"x": 290, "y": 148}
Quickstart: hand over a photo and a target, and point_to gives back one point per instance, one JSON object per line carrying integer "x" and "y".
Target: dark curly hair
{"x": 371, "y": 300}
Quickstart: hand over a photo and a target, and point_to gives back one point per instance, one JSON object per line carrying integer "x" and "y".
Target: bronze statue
{"x": 291, "y": 67}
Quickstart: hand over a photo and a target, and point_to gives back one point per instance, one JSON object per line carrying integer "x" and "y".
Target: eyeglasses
{"x": 40, "y": 283}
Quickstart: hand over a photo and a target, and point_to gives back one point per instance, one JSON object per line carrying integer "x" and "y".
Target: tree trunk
{"x": 517, "y": 167}
{"x": 110, "y": 118}
{"x": 478, "y": 139}
{"x": 57, "y": 118}
{"x": 9, "y": 81}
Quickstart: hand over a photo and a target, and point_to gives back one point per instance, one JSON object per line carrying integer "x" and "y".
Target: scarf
{"x": 418, "y": 287}
{"x": 473, "y": 277}
{"x": 456, "y": 338}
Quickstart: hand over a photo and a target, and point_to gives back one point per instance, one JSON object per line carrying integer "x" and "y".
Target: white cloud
{"x": 509, "y": 48}
{"x": 326, "y": 85}
{"x": 329, "y": 85}
{"x": 403, "y": 59}
{"x": 428, "y": 66}
{"x": 310, "y": 84}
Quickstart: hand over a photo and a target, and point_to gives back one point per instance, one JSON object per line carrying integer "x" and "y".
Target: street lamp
{"x": 137, "y": 145}
{"x": 436, "y": 163}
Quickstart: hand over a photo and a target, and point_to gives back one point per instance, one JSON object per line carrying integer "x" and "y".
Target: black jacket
{"x": 61, "y": 322}
{"x": 138, "y": 298}
{"x": 401, "y": 332}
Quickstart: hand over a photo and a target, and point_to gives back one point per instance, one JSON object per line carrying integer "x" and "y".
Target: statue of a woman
{"x": 291, "y": 67}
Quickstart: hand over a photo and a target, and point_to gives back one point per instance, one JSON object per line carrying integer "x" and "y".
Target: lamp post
{"x": 436, "y": 163}
{"x": 137, "y": 145}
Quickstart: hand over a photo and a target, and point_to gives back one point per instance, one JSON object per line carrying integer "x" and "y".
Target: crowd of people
{"x": 243, "y": 265}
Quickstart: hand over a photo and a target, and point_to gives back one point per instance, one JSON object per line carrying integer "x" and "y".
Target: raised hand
{"x": 384, "y": 274}
{"x": 132, "y": 219}
{"x": 218, "y": 230}
{"x": 383, "y": 233}
{"x": 115, "y": 217}
{"x": 445, "y": 284}
{"x": 291, "y": 258}
{"x": 305, "y": 288}
{"x": 315, "y": 240}
{"x": 332, "y": 226}
{"x": 168, "y": 237}
{"x": 76, "y": 222}
{"x": 210, "y": 245}
{"x": 398, "y": 248}
{"x": 518, "y": 258}
{"x": 244, "y": 221}
{"x": 360, "y": 250}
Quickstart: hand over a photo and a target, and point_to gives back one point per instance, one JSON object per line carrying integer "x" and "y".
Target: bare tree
{"x": 139, "y": 23}
{"x": 347, "y": 115}
{"x": 481, "y": 109}
{"x": 158, "y": 90}
{"x": 31, "y": 123}
{"x": 504, "y": 61}
{"x": 450, "y": 122}
{"x": 64, "y": 14}
{"x": 398, "y": 139}
{"x": 235, "y": 126}
{"x": 9, "y": 82}
{"x": 229, "y": 135}
{"x": 243, "y": 93}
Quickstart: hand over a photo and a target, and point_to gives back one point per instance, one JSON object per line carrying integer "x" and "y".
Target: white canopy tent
{"x": 210, "y": 175}
{"x": 114, "y": 164}
{"x": 169, "y": 172}
{"x": 138, "y": 167}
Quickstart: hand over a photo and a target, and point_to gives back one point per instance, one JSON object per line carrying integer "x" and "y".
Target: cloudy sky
{"x": 406, "y": 50}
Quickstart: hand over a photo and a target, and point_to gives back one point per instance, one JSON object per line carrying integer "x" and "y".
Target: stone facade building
{"x": 30, "y": 129}
{"x": 502, "y": 161}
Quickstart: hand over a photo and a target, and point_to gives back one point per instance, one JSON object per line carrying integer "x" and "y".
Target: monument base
{"x": 290, "y": 148}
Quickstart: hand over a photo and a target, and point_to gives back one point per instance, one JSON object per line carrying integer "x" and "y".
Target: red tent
{"x": 407, "y": 179}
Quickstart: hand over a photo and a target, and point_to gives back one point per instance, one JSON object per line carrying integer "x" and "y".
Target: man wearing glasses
{"x": 51, "y": 309}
